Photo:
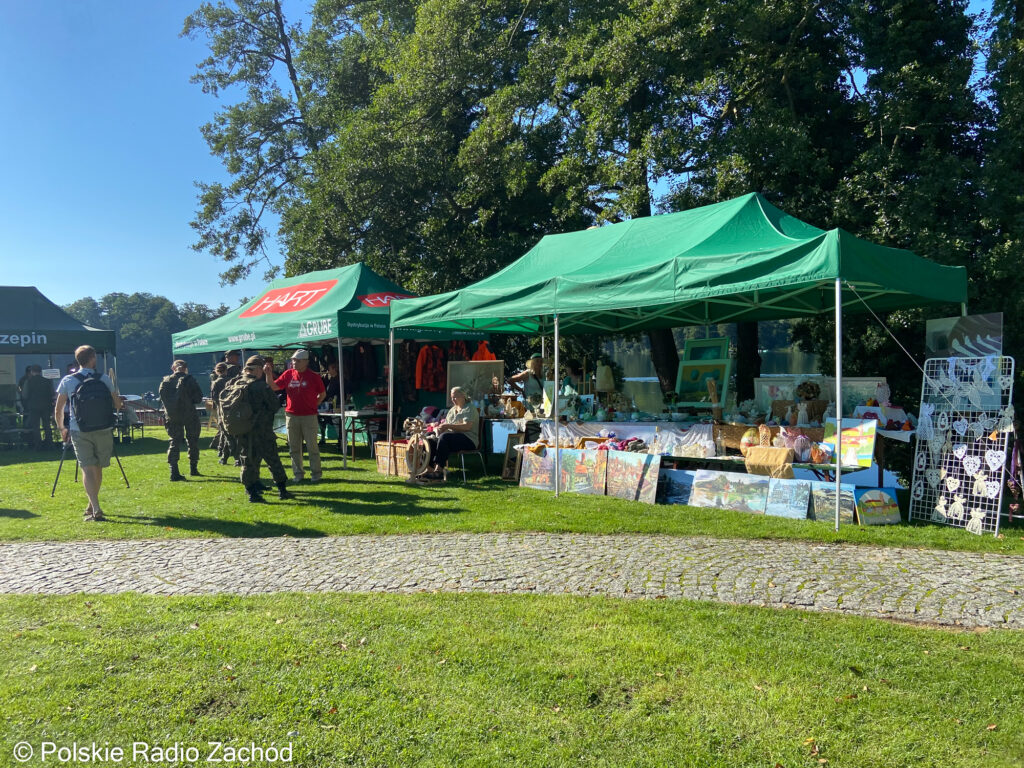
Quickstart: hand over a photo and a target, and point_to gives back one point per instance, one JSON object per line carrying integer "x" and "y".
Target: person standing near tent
{"x": 37, "y": 398}
{"x": 223, "y": 442}
{"x": 93, "y": 402}
{"x": 180, "y": 395}
{"x": 305, "y": 391}
{"x": 251, "y": 396}
{"x": 530, "y": 381}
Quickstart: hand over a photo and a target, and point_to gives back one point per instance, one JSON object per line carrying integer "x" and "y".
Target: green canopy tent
{"x": 330, "y": 306}
{"x": 30, "y": 323}
{"x": 742, "y": 259}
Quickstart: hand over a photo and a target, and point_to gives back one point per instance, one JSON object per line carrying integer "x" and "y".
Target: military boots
{"x": 175, "y": 474}
{"x": 282, "y": 491}
{"x": 255, "y": 496}
{"x": 193, "y": 470}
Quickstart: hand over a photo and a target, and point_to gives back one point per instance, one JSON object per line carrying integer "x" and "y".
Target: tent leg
{"x": 963, "y": 309}
{"x": 554, "y": 415}
{"x": 342, "y": 434}
{"x": 391, "y": 399}
{"x": 839, "y": 397}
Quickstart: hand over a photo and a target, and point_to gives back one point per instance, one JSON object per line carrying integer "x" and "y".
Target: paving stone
{"x": 963, "y": 588}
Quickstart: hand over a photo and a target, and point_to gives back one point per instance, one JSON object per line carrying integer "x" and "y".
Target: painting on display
{"x": 538, "y": 471}
{"x": 692, "y": 381}
{"x": 678, "y": 485}
{"x": 477, "y": 377}
{"x": 583, "y": 471}
{"x": 706, "y": 349}
{"x": 633, "y": 476}
{"x": 730, "y": 490}
{"x": 823, "y": 503}
{"x": 966, "y": 336}
{"x": 858, "y": 440}
{"x": 513, "y": 459}
{"x": 877, "y": 506}
{"x": 788, "y": 498}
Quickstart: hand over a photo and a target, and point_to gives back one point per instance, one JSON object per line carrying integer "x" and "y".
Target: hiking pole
{"x": 59, "y": 466}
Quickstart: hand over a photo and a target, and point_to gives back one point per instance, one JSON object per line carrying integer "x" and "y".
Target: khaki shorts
{"x": 93, "y": 449}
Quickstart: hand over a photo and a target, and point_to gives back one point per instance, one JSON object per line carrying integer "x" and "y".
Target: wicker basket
{"x": 396, "y": 453}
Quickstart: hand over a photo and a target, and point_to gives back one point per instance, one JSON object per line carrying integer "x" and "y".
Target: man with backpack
{"x": 247, "y": 408}
{"x": 93, "y": 403}
{"x": 180, "y": 394}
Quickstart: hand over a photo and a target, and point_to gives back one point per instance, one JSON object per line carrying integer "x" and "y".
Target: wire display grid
{"x": 962, "y": 439}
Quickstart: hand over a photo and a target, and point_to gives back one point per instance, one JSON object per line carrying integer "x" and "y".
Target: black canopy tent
{"x": 30, "y": 324}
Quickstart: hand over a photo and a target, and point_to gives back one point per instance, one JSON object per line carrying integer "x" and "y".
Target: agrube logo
{"x": 381, "y": 299}
{"x": 294, "y": 298}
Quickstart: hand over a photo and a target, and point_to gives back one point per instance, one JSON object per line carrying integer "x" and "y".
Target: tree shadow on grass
{"x": 232, "y": 529}
{"x": 22, "y": 514}
{"x": 377, "y": 503}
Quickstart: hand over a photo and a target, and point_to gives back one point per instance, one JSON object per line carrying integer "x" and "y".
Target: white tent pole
{"x": 543, "y": 350}
{"x": 839, "y": 397}
{"x": 391, "y": 399}
{"x": 554, "y": 414}
{"x": 341, "y": 406}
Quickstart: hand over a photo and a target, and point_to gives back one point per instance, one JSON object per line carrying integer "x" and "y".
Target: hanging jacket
{"x": 483, "y": 352}
{"x": 365, "y": 364}
{"x": 405, "y": 369}
{"x": 430, "y": 371}
{"x": 458, "y": 351}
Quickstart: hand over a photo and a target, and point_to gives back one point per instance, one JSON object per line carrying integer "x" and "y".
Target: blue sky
{"x": 101, "y": 148}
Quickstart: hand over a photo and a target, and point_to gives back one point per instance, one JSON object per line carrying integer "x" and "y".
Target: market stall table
{"x": 358, "y": 421}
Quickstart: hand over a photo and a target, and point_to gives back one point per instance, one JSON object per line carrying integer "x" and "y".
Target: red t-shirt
{"x": 302, "y": 390}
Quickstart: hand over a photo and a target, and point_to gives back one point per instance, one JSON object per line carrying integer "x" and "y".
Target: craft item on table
{"x": 788, "y": 419}
{"x": 773, "y": 462}
{"x": 925, "y": 429}
{"x": 605, "y": 380}
{"x": 819, "y": 455}
{"x": 877, "y": 506}
{"x": 788, "y": 498}
{"x": 830, "y": 410}
{"x": 956, "y": 509}
{"x": 977, "y": 518}
{"x": 807, "y": 390}
{"x": 882, "y": 394}
{"x": 921, "y": 462}
{"x": 939, "y": 513}
{"x": 779, "y": 441}
{"x": 802, "y": 447}
{"x": 802, "y": 420}
{"x": 764, "y": 434}
{"x": 750, "y": 438}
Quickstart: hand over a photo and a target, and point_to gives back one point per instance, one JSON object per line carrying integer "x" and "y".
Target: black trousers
{"x": 449, "y": 443}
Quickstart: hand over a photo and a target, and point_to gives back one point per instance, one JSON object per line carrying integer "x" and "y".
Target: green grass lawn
{"x": 359, "y": 500}
{"x": 481, "y": 680}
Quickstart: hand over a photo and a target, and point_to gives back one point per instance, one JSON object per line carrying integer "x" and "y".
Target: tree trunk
{"x": 665, "y": 357}
{"x": 748, "y": 361}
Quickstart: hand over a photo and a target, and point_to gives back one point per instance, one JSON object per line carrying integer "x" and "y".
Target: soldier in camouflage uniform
{"x": 260, "y": 444}
{"x": 181, "y": 394}
{"x": 220, "y": 441}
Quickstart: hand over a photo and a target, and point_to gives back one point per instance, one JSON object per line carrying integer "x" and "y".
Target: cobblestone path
{"x": 962, "y": 588}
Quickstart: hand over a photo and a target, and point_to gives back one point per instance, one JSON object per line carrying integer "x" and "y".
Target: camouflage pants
{"x": 225, "y": 445}
{"x": 180, "y": 433}
{"x": 260, "y": 445}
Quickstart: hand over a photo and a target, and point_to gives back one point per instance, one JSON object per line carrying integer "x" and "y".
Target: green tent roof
{"x": 31, "y": 323}
{"x": 315, "y": 308}
{"x": 741, "y": 259}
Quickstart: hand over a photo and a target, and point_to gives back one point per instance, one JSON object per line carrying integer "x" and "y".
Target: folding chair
{"x": 479, "y": 451}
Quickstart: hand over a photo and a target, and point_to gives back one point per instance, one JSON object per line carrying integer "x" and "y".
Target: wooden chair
{"x": 479, "y": 451}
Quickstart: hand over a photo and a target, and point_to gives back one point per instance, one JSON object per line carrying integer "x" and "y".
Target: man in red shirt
{"x": 305, "y": 391}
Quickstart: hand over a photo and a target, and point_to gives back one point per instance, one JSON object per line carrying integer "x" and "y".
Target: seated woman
{"x": 531, "y": 381}
{"x": 459, "y": 432}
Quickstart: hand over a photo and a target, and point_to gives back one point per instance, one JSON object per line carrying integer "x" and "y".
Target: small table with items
{"x": 362, "y": 421}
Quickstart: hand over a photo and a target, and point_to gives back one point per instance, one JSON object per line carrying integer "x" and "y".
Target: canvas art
{"x": 730, "y": 490}
{"x": 633, "y": 476}
{"x": 788, "y": 498}
{"x": 678, "y": 485}
{"x": 513, "y": 459}
{"x": 877, "y": 506}
{"x": 966, "y": 336}
{"x": 692, "y": 381}
{"x": 538, "y": 471}
{"x": 858, "y": 440}
{"x": 823, "y": 503}
{"x": 477, "y": 377}
{"x": 706, "y": 349}
{"x": 583, "y": 471}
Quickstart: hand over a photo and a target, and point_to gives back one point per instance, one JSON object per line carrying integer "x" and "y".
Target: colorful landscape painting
{"x": 823, "y": 503}
{"x": 730, "y": 490}
{"x": 678, "y": 485}
{"x": 633, "y": 476}
{"x": 538, "y": 471}
{"x": 788, "y": 498}
{"x": 877, "y": 506}
{"x": 858, "y": 443}
{"x": 584, "y": 471}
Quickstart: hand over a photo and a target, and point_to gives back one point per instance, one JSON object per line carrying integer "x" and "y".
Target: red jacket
{"x": 430, "y": 371}
{"x": 483, "y": 352}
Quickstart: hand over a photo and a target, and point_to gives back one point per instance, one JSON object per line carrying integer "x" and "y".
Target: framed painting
{"x": 478, "y": 377}
{"x": 538, "y": 471}
{"x": 513, "y": 459}
{"x": 730, "y": 490}
{"x": 706, "y": 349}
{"x": 633, "y": 476}
{"x": 692, "y": 382}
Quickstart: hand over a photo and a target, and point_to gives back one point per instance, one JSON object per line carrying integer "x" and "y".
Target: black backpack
{"x": 92, "y": 405}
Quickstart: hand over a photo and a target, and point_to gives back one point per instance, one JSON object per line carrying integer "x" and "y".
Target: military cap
{"x": 255, "y": 360}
